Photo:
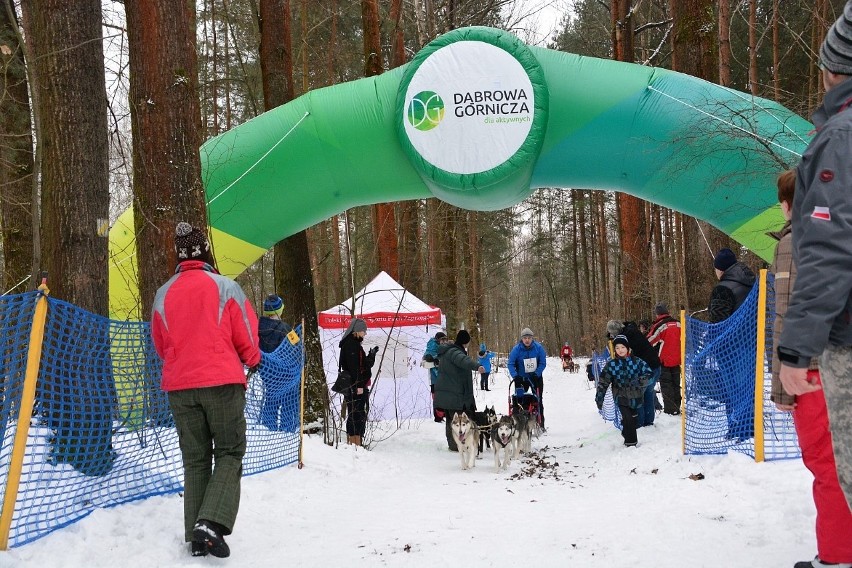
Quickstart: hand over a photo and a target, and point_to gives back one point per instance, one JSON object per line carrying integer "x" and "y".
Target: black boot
{"x": 211, "y": 534}
{"x": 817, "y": 563}
{"x": 198, "y": 548}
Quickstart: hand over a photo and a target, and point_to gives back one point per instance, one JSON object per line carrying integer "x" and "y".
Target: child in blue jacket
{"x": 628, "y": 376}
{"x": 485, "y": 357}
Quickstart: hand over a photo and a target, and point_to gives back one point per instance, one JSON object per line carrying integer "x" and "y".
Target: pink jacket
{"x": 204, "y": 329}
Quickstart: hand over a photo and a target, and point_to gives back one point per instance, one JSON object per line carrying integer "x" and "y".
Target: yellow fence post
{"x": 760, "y": 354}
{"x": 683, "y": 382}
{"x": 302, "y": 400}
{"x": 25, "y": 413}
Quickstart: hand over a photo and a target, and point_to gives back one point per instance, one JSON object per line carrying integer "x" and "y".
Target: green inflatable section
{"x": 479, "y": 119}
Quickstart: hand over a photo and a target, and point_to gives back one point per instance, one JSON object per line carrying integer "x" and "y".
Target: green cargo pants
{"x": 211, "y": 428}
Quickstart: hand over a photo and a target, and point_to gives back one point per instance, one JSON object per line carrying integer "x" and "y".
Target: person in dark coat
{"x": 454, "y": 389}
{"x": 641, "y": 348}
{"x": 735, "y": 282}
{"x": 358, "y": 364}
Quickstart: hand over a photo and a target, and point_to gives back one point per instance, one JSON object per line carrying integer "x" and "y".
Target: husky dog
{"x": 503, "y": 442}
{"x": 523, "y": 423}
{"x": 484, "y": 422}
{"x": 466, "y": 436}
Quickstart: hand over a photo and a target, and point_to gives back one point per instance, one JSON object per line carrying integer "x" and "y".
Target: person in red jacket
{"x": 205, "y": 331}
{"x": 664, "y": 334}
{"x": 567, "y": 355}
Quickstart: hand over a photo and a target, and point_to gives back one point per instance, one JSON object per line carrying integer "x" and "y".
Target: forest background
{"x": 104, "y": 105}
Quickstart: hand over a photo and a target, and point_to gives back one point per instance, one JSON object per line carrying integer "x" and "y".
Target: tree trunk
{"x": 693, "y": 25}
{"x": 165, "y": 119}
{"x": 384, "y": 217}
{"x": 474, "y": 303}
{"x": 776, "y": 58}
{"x": 293, "y": 278}
{"x": 819, "y": 27}
{"x": 752, "y": 47}
{"x": 66, "y": 44}
{"x": 724, "y": 41}
{"x": 67, "y": 48}
{"x": 16, "y": 158}
{"x": 632, "y": 224}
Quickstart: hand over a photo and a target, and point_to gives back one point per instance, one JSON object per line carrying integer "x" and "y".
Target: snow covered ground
{"x": 581, "y": 500}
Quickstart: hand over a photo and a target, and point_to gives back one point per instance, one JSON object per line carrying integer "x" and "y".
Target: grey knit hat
{"x": 836, "y": 51}
{"x": 527, "y": 332}
{"x": 355, "y": 324}
{"x": 614, "y": 327}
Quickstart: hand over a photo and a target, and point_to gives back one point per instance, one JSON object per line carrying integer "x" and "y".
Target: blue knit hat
{"x": 273, "y": 305}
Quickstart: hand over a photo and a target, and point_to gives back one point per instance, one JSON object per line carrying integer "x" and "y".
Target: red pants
{"x": 834, "y": 519}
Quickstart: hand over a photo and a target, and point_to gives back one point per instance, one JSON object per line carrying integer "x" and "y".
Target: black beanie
{"x": 620, "y": 340}
{"x": 725, "y": 259}
{"x": 462, "y": 337}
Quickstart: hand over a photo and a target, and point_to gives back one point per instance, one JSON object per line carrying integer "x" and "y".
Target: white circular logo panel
{"x": 469, "y": 107}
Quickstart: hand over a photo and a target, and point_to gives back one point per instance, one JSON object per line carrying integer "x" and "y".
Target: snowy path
{"x": 587, "y": 502}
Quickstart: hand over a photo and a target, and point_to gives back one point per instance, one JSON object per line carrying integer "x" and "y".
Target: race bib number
{"x": 530, "y": 364}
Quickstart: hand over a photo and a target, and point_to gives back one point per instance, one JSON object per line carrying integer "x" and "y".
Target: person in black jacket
{"x": 640, "y": 348}
{"x": 735, "y": 282}
{"x": 358, "y": 364}
{"x": 454, "y": 389}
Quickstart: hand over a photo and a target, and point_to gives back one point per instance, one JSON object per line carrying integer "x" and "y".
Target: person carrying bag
{"x": 357, "y": 364}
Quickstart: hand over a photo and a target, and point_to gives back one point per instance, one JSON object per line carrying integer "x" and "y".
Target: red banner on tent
{"x": 381, "y": 319}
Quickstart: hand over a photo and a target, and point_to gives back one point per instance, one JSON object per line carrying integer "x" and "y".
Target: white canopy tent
{"x": 400, "y": 324}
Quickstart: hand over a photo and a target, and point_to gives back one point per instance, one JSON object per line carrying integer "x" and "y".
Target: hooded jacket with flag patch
{"x": 821, "y": 304}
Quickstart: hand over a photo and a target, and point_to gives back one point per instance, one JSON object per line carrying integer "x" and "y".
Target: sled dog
{"x": 485, "y": 421}
{"x": 466, "y": 436}
{"x": 523, "y": 423}
{"x": 503, "y": 442}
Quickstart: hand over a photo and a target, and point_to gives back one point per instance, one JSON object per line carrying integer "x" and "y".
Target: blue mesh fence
{"x": 720, "y": 386}
{"x": 610, "y": 411}
{"x": 779, "y": 432}
{"x": 102, "y": 433}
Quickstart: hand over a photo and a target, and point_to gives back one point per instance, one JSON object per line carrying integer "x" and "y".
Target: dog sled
{"x": 569, "y": 366}
{"x": 523, "y": 396}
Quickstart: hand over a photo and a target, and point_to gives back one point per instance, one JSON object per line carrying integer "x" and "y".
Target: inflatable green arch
{"x": 479, "y": 119}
